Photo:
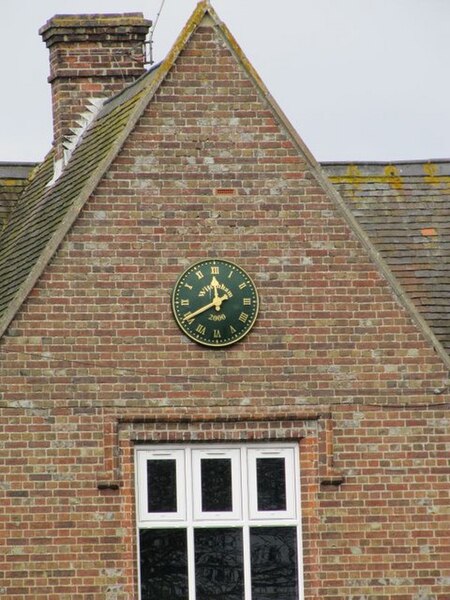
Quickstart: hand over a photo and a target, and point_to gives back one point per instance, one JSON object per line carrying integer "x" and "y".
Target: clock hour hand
{"x": 216, "y": 302}
{"x": 215, "y": 284}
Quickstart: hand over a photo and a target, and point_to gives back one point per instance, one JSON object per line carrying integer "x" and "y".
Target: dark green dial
{"x": 215, "y": 302}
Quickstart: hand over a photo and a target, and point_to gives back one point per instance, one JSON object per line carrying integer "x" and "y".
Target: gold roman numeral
{"x": 201, "y": 329}
{"x": 199, "y": 274}
{"x": 247, "y": 301}
{"x": 214, "y": 270}
{"x": 185, "y": 302}
{"x": 243, "y": 317}
{"x": 232, "y": 329}
{"x": 217, "y": 334}
{"x": 242, "y": 285}
{"x": 189, "y": 287}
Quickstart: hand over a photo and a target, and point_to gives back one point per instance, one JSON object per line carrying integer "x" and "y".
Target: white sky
{"x": 359, "y": 79}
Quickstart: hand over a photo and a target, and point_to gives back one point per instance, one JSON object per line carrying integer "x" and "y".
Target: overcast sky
{"x": 359, "y": 79}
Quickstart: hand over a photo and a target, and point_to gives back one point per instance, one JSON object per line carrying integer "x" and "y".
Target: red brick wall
{"x": 94, "y": 363}
{"x": 91, "y": 56}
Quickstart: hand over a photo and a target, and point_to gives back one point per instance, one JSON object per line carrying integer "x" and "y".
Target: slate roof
{"x": 404, "y": 207}
{"x": 398, "y": 212}
{"x": 13, "y": 180}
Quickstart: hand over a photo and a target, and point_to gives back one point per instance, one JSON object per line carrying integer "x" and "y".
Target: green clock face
{"x": 215, "y": 302}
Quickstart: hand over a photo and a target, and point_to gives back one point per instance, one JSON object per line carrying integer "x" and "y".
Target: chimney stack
{"x": 91, "y": 56}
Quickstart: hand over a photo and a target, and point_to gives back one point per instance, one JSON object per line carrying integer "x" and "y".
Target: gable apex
{"x": 121, "y": 115}
{"x": 205, "y": 14}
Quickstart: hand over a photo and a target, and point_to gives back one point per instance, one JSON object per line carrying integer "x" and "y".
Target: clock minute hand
{"x": 216, "y": 302}
{"x": 191, "y": 315}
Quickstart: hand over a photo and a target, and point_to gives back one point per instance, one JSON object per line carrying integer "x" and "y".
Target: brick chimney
{"x": 91, "y": 56}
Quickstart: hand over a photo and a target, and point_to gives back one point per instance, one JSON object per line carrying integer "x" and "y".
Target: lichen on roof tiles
{"x": 13, "y": 180}
{"x": 405, "y": 209}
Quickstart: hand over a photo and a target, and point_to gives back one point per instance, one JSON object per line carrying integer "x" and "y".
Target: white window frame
{"x": 145, "y": 518}
{"x": 245, "y": 514}
{"x": 216, "y": 453}
{"x": 291, "y": 505}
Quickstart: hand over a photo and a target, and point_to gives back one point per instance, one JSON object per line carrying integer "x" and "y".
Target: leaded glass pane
{"x": 164, "y": 572}
{"x": 273, "y": 555}
{"x": 271, "y": 484}
{"x": 219, "y": 573}
{"x": 162, "y": 486}
{"x": 216, "y": 485}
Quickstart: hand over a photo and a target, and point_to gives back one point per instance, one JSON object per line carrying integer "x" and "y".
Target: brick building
{"x": 144, "y": 454}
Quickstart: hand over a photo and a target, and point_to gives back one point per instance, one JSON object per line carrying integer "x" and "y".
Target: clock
{"x": 215, "y": 302}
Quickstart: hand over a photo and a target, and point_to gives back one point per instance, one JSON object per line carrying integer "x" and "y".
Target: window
{"x": 219, "y": 522}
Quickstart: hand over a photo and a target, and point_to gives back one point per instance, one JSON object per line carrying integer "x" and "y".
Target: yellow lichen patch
{"x": 393, "y": 177}
{"x": 432, "y": 176}
{"x": 353, "y": 171}
{"x": 353, "y": 176}
{"x": 431, "y": 173}
{"x": 181, "y": 41}
{"x": 8, "y": 182}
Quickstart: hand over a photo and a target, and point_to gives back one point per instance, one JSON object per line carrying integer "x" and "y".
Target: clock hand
{"x": 215, "y": 284}
{"x": 216, "y": 302}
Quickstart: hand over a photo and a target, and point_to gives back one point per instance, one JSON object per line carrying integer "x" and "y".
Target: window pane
{"x": 271, "y": 484}
{"x": 273, "y": 552}
{"x": 164, "y": 574}
{"x": 218, "y": 564}
{"x": 216, "y": 485}
{"x": 162, "y": 486}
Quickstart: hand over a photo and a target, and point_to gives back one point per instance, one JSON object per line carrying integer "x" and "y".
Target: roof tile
{"x": 405, "y": 210}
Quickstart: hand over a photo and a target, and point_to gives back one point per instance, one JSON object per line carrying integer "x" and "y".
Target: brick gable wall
{"x": 95, "y": 363}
